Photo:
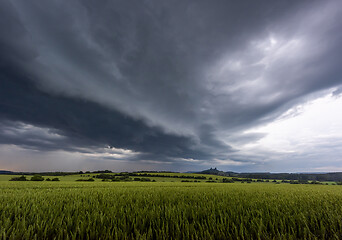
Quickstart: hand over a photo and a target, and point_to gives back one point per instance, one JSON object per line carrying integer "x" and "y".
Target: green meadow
{"x": 162, "y": 178}
{"x": 168, "y": 210}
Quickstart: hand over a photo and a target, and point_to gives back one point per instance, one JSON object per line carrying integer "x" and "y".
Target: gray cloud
{"x": 167, "y": 80}
{"x": 338, "y": 92}
{"x": 82, "y": 124}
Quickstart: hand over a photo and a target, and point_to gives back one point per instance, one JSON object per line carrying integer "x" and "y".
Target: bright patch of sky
{"x": 309, "y": 130}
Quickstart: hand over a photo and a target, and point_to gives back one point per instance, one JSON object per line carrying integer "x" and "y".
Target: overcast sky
{"x": 171, "y": 85}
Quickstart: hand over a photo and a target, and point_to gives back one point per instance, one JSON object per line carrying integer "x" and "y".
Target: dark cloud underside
{"x": 85, "y": 124}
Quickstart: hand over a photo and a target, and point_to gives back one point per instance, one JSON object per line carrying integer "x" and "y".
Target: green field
{"x": 75, "y": 177}
{"x": 169, "y": 210}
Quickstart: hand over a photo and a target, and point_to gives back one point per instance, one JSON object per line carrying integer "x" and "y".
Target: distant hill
{"x": 332, "y": 176}
{"x": 5, "y": 172}
{"x": 213, "y": 171}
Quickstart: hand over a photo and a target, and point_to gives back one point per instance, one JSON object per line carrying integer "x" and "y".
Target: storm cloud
{"x": 172, "y": 82}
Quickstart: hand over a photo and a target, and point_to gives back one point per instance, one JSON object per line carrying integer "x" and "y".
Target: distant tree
{"x": 103, "y": 171}
{"x": 104, "y": 176}
{"x": 55, "y": 179}
{"x": 200, "y": 177}
{"x": 145, "y": 179}
{"x": 21, "y": 178}
{"x": 236, "y": 179}
{"x": 48, "y": 179}
{"x": 37, "y": 178}
{"x": 227, "y": 180}
{"x": 294, "y": 182}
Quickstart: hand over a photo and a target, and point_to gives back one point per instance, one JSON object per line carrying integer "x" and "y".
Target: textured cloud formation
{"x": 172, "y": 82}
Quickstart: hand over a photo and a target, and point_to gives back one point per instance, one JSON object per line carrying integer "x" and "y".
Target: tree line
{"x": 34, "y": 178}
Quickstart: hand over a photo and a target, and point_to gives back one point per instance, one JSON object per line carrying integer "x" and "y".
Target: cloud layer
{"x": 173, "y": 83}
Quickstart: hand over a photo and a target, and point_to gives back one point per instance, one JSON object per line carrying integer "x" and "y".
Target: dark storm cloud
{"x": 79, "y": 124}
{"x": 166, "y": 79}
{"x": 20, "y": 134}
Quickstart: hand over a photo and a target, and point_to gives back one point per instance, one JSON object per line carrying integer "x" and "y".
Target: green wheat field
{"x": 168, "y": 210}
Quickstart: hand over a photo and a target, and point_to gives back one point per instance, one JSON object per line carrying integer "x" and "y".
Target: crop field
{"x": 169, "y": 210}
